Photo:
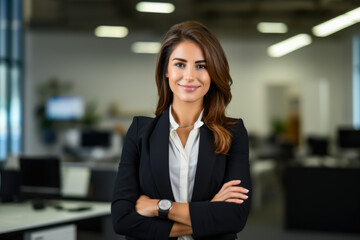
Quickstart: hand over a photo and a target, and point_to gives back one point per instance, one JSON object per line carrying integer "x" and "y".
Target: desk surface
{"x": 21, "y": 216}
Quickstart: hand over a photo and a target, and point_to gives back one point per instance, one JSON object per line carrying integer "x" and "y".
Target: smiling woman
{"x": 185, "y": 174}
{"x": 218, "y": 96}
{"x": 188, "y": 78}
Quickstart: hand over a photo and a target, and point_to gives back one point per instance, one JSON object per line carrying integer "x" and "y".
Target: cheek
{"x": 172, "y": 81}
{"x": 206, "y": 80}
{"x": 173, "y": 75}
{"x": 207, "y": 88}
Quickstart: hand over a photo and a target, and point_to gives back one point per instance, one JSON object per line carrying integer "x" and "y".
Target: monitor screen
{"x": 349, "y": 138}
{"x": 64, "y": 108}
{"x": 318, "y": 145}
{"x": 75, "y": 182}
{"x": 40, "y": 177}
{"x": 95, "y": 138}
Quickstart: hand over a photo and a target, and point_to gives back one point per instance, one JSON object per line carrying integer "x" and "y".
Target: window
{"x": 10, "y": 77}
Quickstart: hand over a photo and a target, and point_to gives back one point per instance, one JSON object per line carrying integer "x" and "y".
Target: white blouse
{"x": 183, "y": 162}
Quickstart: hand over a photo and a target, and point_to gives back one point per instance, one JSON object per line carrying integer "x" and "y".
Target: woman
{"x": 185, "y": 173}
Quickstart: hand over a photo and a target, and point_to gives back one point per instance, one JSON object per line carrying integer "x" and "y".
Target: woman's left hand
{"x": 146, "y": 206}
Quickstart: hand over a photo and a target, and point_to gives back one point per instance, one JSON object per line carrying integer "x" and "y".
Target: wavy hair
{"x": 218, "y": 96}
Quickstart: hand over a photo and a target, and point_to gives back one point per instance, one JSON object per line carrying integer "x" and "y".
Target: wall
{"x": 105, "y": 71}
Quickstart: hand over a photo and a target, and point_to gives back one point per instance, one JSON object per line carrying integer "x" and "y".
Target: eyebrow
{"x": 183, "y": 60}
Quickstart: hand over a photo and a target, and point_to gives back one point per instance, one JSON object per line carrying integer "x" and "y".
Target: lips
{"x": 189, "y": 88}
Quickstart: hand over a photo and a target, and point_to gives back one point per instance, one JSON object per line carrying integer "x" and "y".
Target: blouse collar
{"x": 174, "y": 125}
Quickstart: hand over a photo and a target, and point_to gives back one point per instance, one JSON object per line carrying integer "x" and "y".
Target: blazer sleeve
{"x": 126, "y": 220}
{"x": 216, "y": 218}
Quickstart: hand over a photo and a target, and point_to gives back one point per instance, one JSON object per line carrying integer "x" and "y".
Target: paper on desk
{"x": 75, "y": 181}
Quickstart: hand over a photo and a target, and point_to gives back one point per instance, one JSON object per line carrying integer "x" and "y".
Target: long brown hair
{"x": 218, "y": 96}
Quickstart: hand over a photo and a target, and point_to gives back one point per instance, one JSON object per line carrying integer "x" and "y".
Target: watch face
{"x": 164, "y": 204}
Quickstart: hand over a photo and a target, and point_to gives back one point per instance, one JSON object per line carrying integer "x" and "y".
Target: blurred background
{"x": 73, "y": 73}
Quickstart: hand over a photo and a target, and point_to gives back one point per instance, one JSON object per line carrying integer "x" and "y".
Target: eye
{"x": 201, "y": 66}
{"x": 179, "y": 64}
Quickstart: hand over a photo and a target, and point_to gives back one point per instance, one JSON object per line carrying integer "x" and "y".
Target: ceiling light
{"x": 111, "y": 31}
{"x": 289, "y": 45}
{"x": 336, "y": 24}
{"x": 272, "y": 27}
{"x": 155, "y": 7}
{"x": 146, "y": 47}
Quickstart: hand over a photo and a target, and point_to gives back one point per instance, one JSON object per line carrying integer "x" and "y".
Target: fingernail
{"x": 247, "y": 190}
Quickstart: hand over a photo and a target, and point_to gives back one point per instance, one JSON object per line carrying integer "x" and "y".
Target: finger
{"x": 231, "y": 183}
{"x": 238, "y": 195}
{"x": 230, "y": 190}
{"x": 234, "y": 200}
{"x": 234, "y": 195}
{"x": 230, "y": 187}
{"x": 238, "y": 189}
{"x": 231, "y": 195}
{"x": 227, "y": 193}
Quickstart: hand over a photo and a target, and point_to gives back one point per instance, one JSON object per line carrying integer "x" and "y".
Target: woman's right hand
{"x": 230, "y": 192}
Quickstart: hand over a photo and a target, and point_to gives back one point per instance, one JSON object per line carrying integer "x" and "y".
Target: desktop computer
{"x": 349, "y": 138}
{"x": 349, "y": 143}
{"x": 9, "y": 185}
{"x": 40, "y": 177}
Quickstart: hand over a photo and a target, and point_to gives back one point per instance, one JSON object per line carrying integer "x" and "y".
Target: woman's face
{"x": 189, "y": 79}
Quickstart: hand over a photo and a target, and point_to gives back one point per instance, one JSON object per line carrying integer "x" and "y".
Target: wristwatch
{"x": 164, "y": 206}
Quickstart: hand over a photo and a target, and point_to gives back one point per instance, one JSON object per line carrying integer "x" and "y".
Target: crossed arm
{"x": 180, "y": 213}
{"x": 135, "y": 215}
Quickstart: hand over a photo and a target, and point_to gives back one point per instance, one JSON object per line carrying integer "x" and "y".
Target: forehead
{"x": 187, "y": 50}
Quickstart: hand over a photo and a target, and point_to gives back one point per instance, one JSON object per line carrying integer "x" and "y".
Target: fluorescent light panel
{"x": 337, "y": 24}
{"x": 155, "y": 7}
{"x": 289, "y": 45}
{"x": 272, "y": 27}
{"x": 111, "y": 31}
{"x": 146, "y": 47}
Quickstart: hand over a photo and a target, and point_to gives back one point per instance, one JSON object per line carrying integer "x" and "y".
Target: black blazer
{"x": 144, "y": 169}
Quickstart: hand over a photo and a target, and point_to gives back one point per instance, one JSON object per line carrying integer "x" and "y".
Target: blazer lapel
{"x": 205, "y": 165}
{"x": 159, "y": 156}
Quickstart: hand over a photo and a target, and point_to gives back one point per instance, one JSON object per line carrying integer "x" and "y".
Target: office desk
{"x": 323, "y": 198}
{"x": 16, "y": 217}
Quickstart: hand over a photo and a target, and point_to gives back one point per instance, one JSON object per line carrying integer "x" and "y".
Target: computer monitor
{"x": 40, "y": 177}
{"x": 318, "y": 146}
{"x": 90, "y": 144}
{"x": 96, "y": 138}
{"x": 65, "y": 108}
{"x": 349, "y": 138}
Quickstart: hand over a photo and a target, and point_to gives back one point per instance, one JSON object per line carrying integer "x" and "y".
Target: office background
{"x": 318, "y": 82}
{"x": 106, "y": 71}
{"x": 320, "y": 75}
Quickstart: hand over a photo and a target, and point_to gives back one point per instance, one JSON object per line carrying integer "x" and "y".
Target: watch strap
{"x": 163, "y": 213}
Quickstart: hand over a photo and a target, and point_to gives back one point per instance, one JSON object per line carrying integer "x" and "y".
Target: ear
{"x": 166, "y": 75}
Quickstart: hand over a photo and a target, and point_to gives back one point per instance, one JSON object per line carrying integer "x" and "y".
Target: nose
{"x": 189, "y": 74}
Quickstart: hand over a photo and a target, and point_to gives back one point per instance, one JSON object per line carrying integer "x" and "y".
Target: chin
{"x": 190, "y": 100}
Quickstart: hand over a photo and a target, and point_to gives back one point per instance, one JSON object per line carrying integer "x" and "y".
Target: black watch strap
{"x": 164, "y": 206}
{"x": 163, "y": 214}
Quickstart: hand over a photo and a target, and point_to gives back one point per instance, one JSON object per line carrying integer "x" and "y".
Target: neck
{"x": 186, "y": 113}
